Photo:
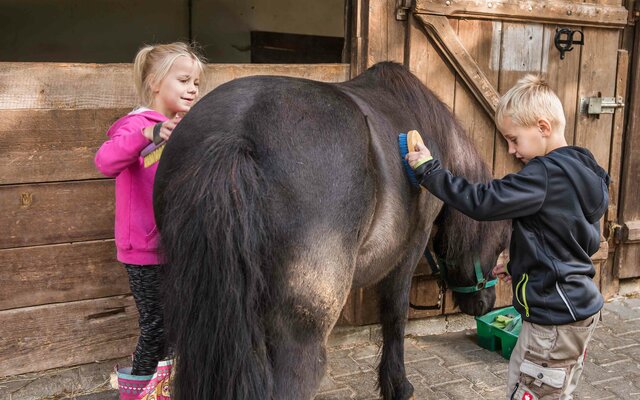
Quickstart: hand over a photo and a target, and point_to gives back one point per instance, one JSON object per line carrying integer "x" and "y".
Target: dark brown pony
{"x": 275, "y": 197}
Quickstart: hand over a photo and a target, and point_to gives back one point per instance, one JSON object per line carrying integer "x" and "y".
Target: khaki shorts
{"x": 547, "y": 361}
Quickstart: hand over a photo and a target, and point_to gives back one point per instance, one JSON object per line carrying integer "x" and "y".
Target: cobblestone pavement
{"x": 453, "y": 366}
{"x": 448, "y": 365}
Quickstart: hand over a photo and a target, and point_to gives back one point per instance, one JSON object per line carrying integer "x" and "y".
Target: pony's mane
{"x": 447, "y": 141}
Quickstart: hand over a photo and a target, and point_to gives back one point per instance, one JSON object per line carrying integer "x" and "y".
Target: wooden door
{"x": 627, "y": 260}
{"x": 470, "y": 52}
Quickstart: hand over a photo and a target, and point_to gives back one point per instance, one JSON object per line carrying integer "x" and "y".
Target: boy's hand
{"x": 419, "y": 156}
{"x": 501, "y": 272}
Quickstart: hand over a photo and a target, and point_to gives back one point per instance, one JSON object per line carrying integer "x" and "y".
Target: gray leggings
{"x": 144, "y": 281}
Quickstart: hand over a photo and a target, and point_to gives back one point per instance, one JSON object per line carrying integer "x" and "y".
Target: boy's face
{"x": 524, "y": 143}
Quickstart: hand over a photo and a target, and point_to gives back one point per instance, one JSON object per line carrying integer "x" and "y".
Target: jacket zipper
{"x": 566, "y": 302}
{"x": 523, "y": 302}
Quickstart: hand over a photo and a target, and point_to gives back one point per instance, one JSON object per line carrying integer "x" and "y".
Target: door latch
{"x": 600, "y": 105}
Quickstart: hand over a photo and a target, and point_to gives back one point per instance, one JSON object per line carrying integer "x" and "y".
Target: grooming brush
{"x": 406, "y": 143}
{"x": 151, "y": 154}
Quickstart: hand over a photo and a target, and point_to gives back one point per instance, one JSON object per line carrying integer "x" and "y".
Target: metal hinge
{"x": 402, "y": 9}
{"x": 634, "y": 12}
{"x": 600, "y": 105}
{"x": 615, "y": 233}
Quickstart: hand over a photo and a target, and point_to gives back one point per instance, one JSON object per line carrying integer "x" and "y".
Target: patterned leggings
{"x": 144, "y": 281}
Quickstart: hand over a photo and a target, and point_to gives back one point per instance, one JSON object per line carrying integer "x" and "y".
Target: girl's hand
{"x": 417, "y": 157}
{"x": 501, "y": 272}
{"x": 165, "y": 130}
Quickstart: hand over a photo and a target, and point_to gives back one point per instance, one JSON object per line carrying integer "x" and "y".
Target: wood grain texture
{"x": 41, "y": 275}
{"x": 477, "y": 37}
{"x": 551, "y": 12}
{"x": 50, "y": 213}
{"x": 52, "y": 145}
{"x": 95, "y": 86}
{"x": 58, "y": 335}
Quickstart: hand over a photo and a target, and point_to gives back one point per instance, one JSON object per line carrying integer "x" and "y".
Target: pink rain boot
{"x": 159, "y": 387}
{"x": 130, "y": 386}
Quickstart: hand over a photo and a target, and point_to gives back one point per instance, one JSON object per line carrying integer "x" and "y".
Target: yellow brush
{"x": 151, "y": 154}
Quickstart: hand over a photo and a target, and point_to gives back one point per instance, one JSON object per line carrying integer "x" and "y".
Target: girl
{"x": 166, "y": 77}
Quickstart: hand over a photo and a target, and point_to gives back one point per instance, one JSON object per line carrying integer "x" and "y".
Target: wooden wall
{"x": 65, "y": 299}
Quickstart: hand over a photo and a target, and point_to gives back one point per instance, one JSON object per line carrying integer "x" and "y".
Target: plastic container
{"x": 493, "y": 338}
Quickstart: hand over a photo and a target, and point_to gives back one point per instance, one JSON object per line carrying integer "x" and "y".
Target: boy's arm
{"x": 515, "y": 195}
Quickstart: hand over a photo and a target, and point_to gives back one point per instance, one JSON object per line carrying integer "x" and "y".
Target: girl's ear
{"x": 153, "y": 84}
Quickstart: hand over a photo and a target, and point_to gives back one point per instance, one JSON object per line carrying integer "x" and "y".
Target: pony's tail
{"x": 214, "y": 234}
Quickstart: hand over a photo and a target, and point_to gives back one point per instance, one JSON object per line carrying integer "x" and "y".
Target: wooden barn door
{"x": 469, "y": 52}
{"x": 64, "y": 298}
{"x": 627, "y": 262}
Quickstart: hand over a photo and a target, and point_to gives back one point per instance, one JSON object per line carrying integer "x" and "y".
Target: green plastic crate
{"x": 492, "y": 338}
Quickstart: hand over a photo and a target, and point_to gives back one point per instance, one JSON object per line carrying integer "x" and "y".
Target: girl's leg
{"x": 144, "y": 281}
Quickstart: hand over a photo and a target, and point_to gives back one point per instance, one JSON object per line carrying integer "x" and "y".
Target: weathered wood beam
{"x": 550, "y": 12}
{"x": 449, "y": 44}
{"x": 91, "y": 86}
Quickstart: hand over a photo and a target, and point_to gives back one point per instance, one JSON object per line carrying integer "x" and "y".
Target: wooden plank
{"x": 445, "y": 39}
{"x": 377, "y": 32}
{"x": 520, "y": 53}
{"x": 615, "y": 160}
{"x": 424, "y": 292}
{"x": 628, "y": 254}
{"x": 477, "y": 37}
{"x": 52, "y": 145}
{"x": 562, "y": 76}
{"x": 597, "y": 75}
{"x": 627, "y": 265}
{"x": 58, "y": 335}
{"x": 56, "y": 213}
{"x": 396, "y": 34}
{"x": 94, "y": 86}
{"x": 417, "y": 58}
{"x": 552, "y": 11}
{"x": 61, "y": 273}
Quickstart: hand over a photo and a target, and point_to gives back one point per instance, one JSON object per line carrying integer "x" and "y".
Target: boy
{"x": 556, "y": 202}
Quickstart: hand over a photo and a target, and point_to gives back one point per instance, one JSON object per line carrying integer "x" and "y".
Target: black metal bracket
{"x": 564, "y": 40}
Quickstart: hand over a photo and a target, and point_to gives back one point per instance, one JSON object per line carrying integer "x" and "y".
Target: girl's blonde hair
{"x": 152, "y": 64}
{"x": 527, "y": 101}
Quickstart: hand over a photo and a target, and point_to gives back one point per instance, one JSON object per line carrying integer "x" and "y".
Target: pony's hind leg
{"x": 297, "y": 330}
{"x": 394, "y": 302}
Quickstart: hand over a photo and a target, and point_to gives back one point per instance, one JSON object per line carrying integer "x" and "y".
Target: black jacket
{"x": 556, "y": 202}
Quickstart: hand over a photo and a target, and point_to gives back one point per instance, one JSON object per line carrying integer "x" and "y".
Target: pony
{"x": 274, "y": 198}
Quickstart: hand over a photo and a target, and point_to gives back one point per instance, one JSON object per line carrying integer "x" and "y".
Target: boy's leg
{"x": 548, "y": 359}
{"x": 144, "y": 281}
{"x": 584, "y": 330}
{"x": 517, "y": 356}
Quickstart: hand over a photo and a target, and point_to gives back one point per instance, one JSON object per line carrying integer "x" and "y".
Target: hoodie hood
{"x": 584, "y": 173}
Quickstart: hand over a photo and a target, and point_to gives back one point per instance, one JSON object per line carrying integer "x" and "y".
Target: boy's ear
{"x": 544, "y": 126}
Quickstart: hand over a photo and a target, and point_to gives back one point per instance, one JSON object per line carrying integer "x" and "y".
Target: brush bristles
{"x": 153, "y": 157}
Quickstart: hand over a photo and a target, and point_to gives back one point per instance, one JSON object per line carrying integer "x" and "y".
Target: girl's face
{"x": 177, "y": 91}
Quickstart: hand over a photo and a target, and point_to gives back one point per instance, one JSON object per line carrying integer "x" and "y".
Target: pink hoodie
{"x": 137, "y": 238}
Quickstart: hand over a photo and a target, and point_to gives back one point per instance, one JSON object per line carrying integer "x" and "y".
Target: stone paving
{"x": 444, "y": 366}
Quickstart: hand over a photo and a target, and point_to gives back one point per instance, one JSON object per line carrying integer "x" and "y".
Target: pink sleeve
{"x": 122, "y": 149}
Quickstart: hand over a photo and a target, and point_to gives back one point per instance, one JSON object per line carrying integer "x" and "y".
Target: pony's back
{"x": 261, "y": 189}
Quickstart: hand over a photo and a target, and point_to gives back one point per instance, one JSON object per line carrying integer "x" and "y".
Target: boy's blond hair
{"x": 528, "y": 100}
{"x": 152, "y": 64}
